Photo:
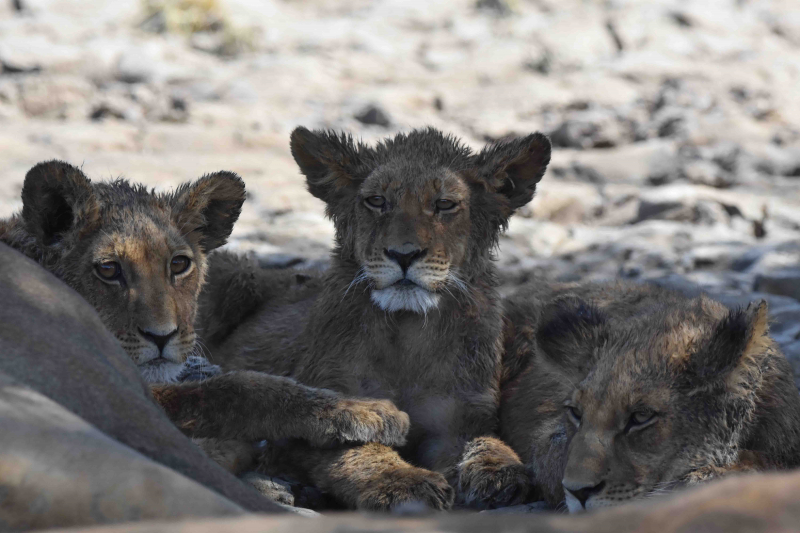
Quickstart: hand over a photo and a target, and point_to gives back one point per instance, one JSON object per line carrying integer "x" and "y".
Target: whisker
{"x": 361, "y": 275}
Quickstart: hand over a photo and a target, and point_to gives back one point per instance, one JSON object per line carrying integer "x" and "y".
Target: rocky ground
{"x": 676, "y": 124}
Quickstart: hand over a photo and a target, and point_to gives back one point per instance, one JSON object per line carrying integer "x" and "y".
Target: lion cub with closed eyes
{"x": 617, "y": 391}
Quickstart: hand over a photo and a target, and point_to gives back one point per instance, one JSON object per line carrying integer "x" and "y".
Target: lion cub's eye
{"x": 179, "y": 264}
{"x": 109, "y": 270}
{"x": 640, "y": 419}
{"x": 574, "y": 414}
{"x": 445, "y": 205}
{"x": 375, "y": 201}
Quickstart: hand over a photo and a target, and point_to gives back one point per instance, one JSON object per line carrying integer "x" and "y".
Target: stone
{"x": 780, "y": 282}
{"x": 135, "y": 67}
{"x": 640, "y": 163}
{"x": 372, "y": 115}
{"x": 55, "y": 97}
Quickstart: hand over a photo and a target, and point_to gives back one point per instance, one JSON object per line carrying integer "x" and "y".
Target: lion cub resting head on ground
{"x": 616, "y": 392}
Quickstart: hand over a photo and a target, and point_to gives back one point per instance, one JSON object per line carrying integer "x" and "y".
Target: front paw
{"x": 368, "y": 421}
{"x": 491, "y": 486}
{"x": 272, "y": 488}
{"x": 406, "y": 485}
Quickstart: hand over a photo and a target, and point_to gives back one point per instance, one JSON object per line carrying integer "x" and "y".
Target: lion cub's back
{"x": 244, "y": 308}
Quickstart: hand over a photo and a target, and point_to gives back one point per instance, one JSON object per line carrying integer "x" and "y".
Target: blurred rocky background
{"x": 676, "y": 123}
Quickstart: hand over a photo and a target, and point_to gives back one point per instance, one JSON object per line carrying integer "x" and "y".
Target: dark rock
{"x": 681, "y": 19}
{"x": 615, "y": 37}
{"x": 374, "y": 116}
{"x": 698, "y": 212}
{"x": 10, "y": 68}
{"x": 785, "y": 324}
{"x": 497, "y": 7}
{"x": 780, "y": 282}
{"x": 591, "y": 128}
{"x": 104, "y": 111}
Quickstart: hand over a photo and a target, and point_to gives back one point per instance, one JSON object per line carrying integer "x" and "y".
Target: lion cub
{"x": 408, "y": 311}
{"x": 614, "y": 392}
{"x": 140, "y": 259}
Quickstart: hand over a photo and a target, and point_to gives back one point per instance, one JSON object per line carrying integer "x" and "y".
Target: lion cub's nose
{"x": 405, "y": 257}
{"x": 159, "y": 340}
{"x": 582, "y": 491}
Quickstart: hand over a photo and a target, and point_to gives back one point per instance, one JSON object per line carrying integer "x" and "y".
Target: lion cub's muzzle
{"x": 405, "y": 259}
{"x": 158, "y": 339}
{"x": 578, "y": 493}
{"x": 404, "y": 281}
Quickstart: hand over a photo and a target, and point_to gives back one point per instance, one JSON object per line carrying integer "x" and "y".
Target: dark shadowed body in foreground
{"x": 747, "y": 504}
{"x": 80, "y": 433}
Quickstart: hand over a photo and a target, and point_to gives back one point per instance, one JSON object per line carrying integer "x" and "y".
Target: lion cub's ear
{"x": 207, "y": 209}
{"x": 738, "y": 342}
{"x": 330, "y": 162}
{"x": 513, "y": 168}
{"x": 56, "y": 198}
{"x": 569, "y": 329}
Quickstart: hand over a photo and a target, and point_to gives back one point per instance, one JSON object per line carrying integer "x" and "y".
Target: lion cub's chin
{"x": 405, "y": 298}
{"x": 161, "y": 371}
{"x": 573, "y": 505}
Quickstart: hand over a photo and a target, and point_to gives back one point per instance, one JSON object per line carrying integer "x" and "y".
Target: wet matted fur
{"x": 73, "y": 226}
{"x": 407, "y": 311}
{"x": 620, "y": 391}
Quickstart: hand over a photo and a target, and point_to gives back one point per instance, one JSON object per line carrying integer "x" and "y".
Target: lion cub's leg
{"x": 484, "y": 471}
{"x": 250, "y": 406}
{"x": 490, "y": 474}
{"x": 748, "y": 462}
{"x": 370, "y": 477}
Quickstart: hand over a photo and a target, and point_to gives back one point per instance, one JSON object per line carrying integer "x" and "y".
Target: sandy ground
{"x": 676, "y": 124}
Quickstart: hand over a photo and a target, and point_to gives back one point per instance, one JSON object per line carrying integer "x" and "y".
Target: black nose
{"x": 405, "y": 259}
{"x": 583, "y": 492}
{"x": 158, "y": 340}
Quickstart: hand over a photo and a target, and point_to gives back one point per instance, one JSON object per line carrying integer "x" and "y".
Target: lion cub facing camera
{"x": 408, "y": 311}
{"x": 614, "y": 392}
{"x": 140, "y": 259}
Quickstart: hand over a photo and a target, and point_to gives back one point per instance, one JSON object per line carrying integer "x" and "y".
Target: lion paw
{"x": 493, "y": 487}
{"x": 406, "y": 485}
{"x": 272, "y": 488}
{"x": 369, "y": 421}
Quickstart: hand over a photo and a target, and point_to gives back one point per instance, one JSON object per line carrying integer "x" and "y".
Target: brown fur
{"x": 423, "y": 333}
{"x": 70, "y": 225}
{"x": 720, "y": 392}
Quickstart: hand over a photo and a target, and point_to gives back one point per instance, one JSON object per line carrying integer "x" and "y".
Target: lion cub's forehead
{"x": 399, "y": 182}
{"x": 139, "y": 238}
{"x": 612, "y": 391}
